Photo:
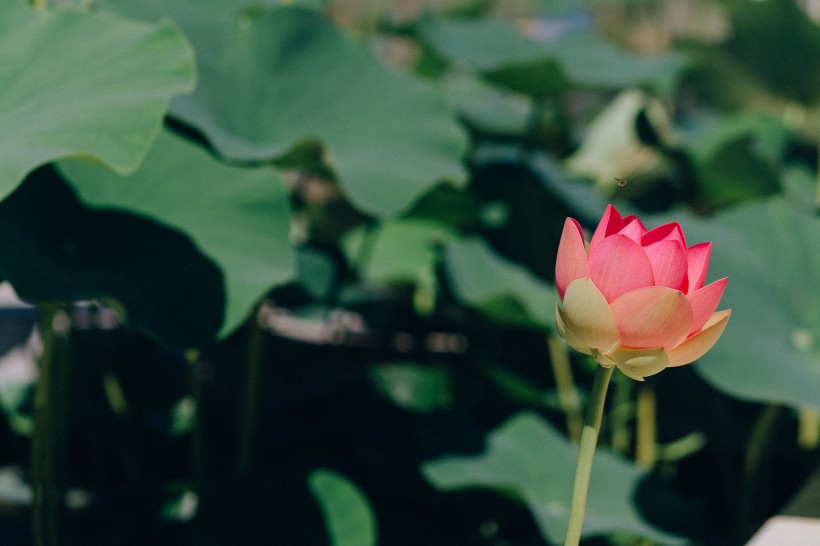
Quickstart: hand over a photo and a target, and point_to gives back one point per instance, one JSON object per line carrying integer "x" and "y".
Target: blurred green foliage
{"x": 307, "y": 251}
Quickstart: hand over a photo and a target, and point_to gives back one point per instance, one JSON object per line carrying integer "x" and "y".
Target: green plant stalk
{"x": 567, "y": 393}
{"x": 758, "y": 454}
{"x": 254, "y": 346}
{"x": 198, "y": 448}
{"x": 646, "y": 429}
{"x": 817, "y": 191}
{"x": 808, "y": 428}
{"x": 366, "y": 248}
{"x": 48, "y": 449}
{"x": 622, "y": 414}
{"x": 586, "y": 452}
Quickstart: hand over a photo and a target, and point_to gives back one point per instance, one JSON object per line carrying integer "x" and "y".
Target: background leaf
{"x": 787, "y": 30}
{"x": 516, "y": 462}
{"x": 84, "y": 84}
{"x": 499, "y": 288}
{"x": 581, "y": 58}
{"x": 770, "y": 351}
{"x": 388, "y": 136}
{"x": 349, "y": 518}
{"x": 737, "y": 156}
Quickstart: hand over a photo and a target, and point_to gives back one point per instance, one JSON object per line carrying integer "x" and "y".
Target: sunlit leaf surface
{"x": 350, "y": 520}
{"x": 498, "y": 287}
{"x": 270, "y": 78}
{"x": 770, "y": 351}
{"x": 84, "y": 84}
{"x": 527, "y": 458}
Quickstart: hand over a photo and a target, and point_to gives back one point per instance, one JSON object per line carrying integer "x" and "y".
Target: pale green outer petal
{"x": 568, "y": 337}
{"x": 641, "y": 363}
{"x": 603, "y": 359}
{"x": 587, "y": 316}
{"x": 697, "y": 345}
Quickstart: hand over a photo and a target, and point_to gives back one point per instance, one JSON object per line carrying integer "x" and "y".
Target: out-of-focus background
{"x": 281, "y": 272}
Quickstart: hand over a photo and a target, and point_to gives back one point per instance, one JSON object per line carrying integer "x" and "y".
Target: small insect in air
{"x": 622, "y": 182}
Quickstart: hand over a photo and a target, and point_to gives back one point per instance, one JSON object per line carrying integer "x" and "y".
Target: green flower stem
{"x": 48, "y": 444}
{"x": 589, "y": 439}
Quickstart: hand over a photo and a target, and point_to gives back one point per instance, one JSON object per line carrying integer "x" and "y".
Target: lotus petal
{"x": 632, "y": 228}
{"x": 697, "y": 345}
{"x": 617, "y": 264}
{"x": 652, "y": 317}
{"x": 571, "y": 262}
{"x": 666, "y": 232}
{"x": 638, "y": 364}
{"x": 704, "y": 301}
{"x": 612, "y": 223}
{"x": 698, "y": 258}
{"x": 669, "y": 265}
{"x": 609, "y": 225}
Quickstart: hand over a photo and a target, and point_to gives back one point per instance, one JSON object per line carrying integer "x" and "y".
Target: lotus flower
{"x": 635, "y": 298}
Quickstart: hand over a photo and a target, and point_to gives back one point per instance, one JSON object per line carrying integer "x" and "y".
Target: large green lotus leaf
{"x": 770, "y": 351}
{"x": 501, "y": 289}
{"x": 582, "y": 58}
{"x": 238, "y": 217}
{"x": 348, "y": 515}
{"x": 84, "y": 84}
{"x": 527, "y": 458}
{"x": 273, "y": 78}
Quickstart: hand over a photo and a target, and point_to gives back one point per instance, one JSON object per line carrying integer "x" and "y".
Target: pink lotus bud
{"x": 634, "y": 298}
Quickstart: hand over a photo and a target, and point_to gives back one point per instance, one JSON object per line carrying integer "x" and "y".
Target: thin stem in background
{"x": 808, "y": 428}
{"x": 646, "y": 428}
{"x": 51, "y": 422}
{"x": 758, "y": 450}
{"x": 727, "y": 486}
{"x": 621, "y": 415}
{"x": 39, "y": 5}
{"x": 817, "y": 191}
{"x": 198, "y": 447}
{"x": 365, "y": 250}
{"x": 586, "y": 452}
{"x": 646, "y": 435}
{"x": 568, "y": 397}
{"x": 254, "y": 351}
